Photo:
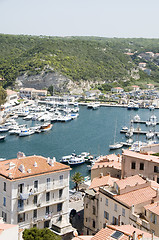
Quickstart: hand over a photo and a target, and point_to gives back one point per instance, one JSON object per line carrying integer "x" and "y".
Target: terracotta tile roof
{"x": 32, "y": 165}
{"x": 111, "y": 160}
{"x": 154, "y": 208}
{"x": 136, "y": 197}
{"x": 4, "y": 226}
{"x": 82, "y": 238}
{"x": 140, "y": 156}
{"x": 10, "y": 92}
{"x": 105, "y": 233}
{"x": 129, "y": 229}
{"x": 131, "y": 181}
{"x": 102, "y": 181}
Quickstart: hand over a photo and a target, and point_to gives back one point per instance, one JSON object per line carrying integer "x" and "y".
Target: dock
{"x": 138, "y": 132}
{"x": 142, "y": 122}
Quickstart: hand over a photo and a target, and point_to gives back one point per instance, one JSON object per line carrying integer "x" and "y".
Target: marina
{"x": 91, "y": 131}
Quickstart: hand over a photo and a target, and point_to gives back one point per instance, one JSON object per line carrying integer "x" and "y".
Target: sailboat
{"x": 116, "y": 145}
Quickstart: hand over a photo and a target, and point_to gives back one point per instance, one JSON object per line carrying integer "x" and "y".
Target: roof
{"x": 131, "y": 181}
{"x": 129, "y": 229}
{"x": 136, "y": 197}
{"x": 27, "y": 89}
{"x": 30, "y": 166}
{"x": 141, "y": 156}
{"x": 118, "y": 88}
{"x": 111, "y": 160}
{"x": 154, "y": 208}
{"x": 82, "y": 238}
{"x": 4, "y": 226}
{"x": 135, "y": 86}
{"x": 10, "y": 92}
{"x": 102, "y": 181}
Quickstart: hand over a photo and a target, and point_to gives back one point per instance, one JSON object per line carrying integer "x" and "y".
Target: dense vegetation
{"x": 78, "y": 58}
{"x": 3, "y": 95}
{"x": 39, "y": 234}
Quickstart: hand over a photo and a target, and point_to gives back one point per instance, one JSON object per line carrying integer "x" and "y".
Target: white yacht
{"x": 26, "y": 132}
{"x": 115, "y": 146}
{"x": 137, "y": 118}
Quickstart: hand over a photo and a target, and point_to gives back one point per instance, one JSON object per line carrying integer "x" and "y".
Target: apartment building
{"x": 123, "y": 232}
{"x": 124, "y": 202}
{"x": 110, "y": 164}
{"x": 34, "y": 191}
{"x": 140, "y": 163}
{"x": 91, "y": 203}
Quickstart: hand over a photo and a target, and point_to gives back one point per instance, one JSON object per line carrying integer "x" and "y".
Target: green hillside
{"x": 78, "y": 58}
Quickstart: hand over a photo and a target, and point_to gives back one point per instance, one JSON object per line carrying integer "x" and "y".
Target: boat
{"x": 125, "y": 128}
{"x": 76, "y": 161}
{"x": 149, "y": 134}
{"x": 95, "y": 105}
{"x": 137, "y": 118}
{"x": 136, "y": 107}
{"x": 116, "y": 145}
{"x": 129, "y": 133}
{"x": 46, "y": 127}
{"x": 128, "y": 142}
{"x": 148, "y": 123}
{"x": 4, "y": 129}
{"x": 65, "y": 159}
{"x": 26, "y": 132}
{"x": 151, "y": 107}
{"x": 90, "y": 105}
{"x": 2, "y": 138}
{"x": 136, "y": 146}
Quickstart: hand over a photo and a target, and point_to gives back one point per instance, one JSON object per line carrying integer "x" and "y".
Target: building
{"x": 124, "y": 202}
{"x": 123, "y": 232}
{"x": 107, "y": 164}
{"x": 140, "y": 163}
{"x": 117, "y": 90}
{"x": 135, "y": 88}
{"x": 32, "y": 93}
{"x": 91, "y": 203}
{"x": 12, "y": 97}
{"x": 34, "y": 191}
{"x": 9, "y": 231}
{"x": 150, "y": 86}
{"x": 142, "y": 65}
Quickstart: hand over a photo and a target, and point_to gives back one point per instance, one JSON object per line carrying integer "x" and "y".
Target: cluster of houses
{"x": 124, "y": 192}
{"x": 122, "y": 201}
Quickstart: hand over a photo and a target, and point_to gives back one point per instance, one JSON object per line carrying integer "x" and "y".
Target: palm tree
{"x": 77, "y": 178}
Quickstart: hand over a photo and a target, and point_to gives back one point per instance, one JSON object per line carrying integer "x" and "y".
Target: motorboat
{"x": 129, "y": 133}
{"x": 26, "y": 132}
{"x": 148, "y": 123}
{"x": 151, "y": 107}
{"x": 46, "y": 127}
{"x": 76, "y": 161}
{"x": 136, "y": 146}
{"x": 2, "y": 138}
{"x": 128, "y": 142}
{"x": 136, "y": 107}
{"x": 95, "y": 105}
{"x": 4, "y": 129}
{"x": 125, "y": 128}
{"x": 65, "y": 159}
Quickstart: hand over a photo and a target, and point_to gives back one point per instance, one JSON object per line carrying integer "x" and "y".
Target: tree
{"x": 39, "y": 234}
{"x": 77, "y": 178}
{"x": 51, "y": 90}
{"x": 3, "y": 96}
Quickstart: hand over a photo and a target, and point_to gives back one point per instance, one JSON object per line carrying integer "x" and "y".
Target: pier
{"x": 138, "y": 132}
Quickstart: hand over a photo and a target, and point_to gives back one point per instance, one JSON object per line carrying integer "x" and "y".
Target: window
{"x": 4, "y": 216}
{"x": 21, "y": 217}
{"x": 53, "y": 181}
{"x": 4, "y": 201}
{"x": 47, "y": 210}
{"x": 106, "y": 202}
{"x": 153, "y": 218}
{"x": 133, "y": 165}
{"x": 115, "y": 221}
{"x": 35, "y": 199}
{"x": 156, "y": 169}
{"x": 86, "y": 205}
{"x": 35, "y": 213}
{"x": 86, "y": 219}
{"x": 106, "y": 215}
{"x": 59, "y": 207}
{"x": 141, "y": 166}
{"x": 48, "y": 183}
{"x": 4, "y": 186}
{"x": 60, "y": 193}
{"x": 20, "y": 204}
{"x": 21, "y": 188}
{"x": 36, "y": 184}
{"x": 47, "y": 196}
{"x": 123, "y": 212}
{"x": 94, "y": 224}
{"x": 94, "y": 210}
{"x": 61, "y": 179}
{"x": 115, "y": 207}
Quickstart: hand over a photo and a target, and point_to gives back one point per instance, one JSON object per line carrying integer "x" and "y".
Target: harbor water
{"x": 93, "y": 131}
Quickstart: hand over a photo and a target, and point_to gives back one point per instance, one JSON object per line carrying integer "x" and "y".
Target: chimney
{"x": 35, "y": 164}
{"x": 119, "y": 220}
{"x": 101, "y": 175}
{"x": 134, "y": 235}
{"x": 132, "y": 209}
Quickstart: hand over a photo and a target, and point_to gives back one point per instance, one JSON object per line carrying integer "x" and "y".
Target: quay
{"x": 138, "y": 132}
{"x": 142, "y": 122}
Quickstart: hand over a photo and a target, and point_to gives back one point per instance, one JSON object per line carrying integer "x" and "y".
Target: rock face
{"x": 43, "y": 80}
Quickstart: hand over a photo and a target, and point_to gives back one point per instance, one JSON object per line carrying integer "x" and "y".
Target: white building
{"x": 12, "y": 96}
{"x": 34, "y": 191}
{"x": 9, "y": 231}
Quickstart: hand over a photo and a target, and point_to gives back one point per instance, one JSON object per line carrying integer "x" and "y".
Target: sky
{"x": 104, "y": 18}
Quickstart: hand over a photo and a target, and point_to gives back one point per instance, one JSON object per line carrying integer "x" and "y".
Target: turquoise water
{"x": 92, "y": 131}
